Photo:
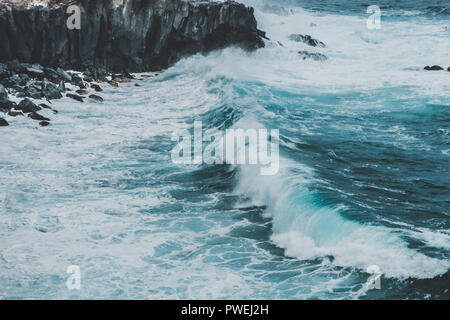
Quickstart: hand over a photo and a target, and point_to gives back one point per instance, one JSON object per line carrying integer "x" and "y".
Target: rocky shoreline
{"x": 116, "y": 38}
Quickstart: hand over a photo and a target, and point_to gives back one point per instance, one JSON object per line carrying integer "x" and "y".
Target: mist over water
{"x": 363, "y": 180}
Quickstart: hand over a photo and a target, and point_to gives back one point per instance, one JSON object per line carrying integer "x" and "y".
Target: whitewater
{"x": 363, "y": 179}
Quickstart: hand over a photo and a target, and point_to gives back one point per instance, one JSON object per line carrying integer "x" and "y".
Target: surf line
{"x": 193, "y": 310}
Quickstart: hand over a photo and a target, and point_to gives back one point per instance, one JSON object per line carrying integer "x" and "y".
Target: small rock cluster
{"x": 33, "y": 81}
{"x": 435, "y": 68}
{"x": 310, "y": 41}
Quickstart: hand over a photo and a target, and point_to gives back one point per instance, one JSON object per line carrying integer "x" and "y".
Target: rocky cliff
{"x": 122, "y": 35}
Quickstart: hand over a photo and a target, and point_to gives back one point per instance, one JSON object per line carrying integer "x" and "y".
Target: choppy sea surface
{"x": 364, "y": 171}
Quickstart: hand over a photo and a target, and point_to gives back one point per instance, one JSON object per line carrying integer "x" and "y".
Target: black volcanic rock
{"x": 433, "y": 68}
{"x": 75, "y": 97}
{"x": 27, "y": 106}
{"x": 127, "y": 35}
{"x": 51, "y": 91}
{"x": 307, "y": 39}
{"x": 313, "y": 55}
{"x": 37, "y": 116}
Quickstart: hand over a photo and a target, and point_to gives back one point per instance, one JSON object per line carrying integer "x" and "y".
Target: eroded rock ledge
{"x": 122, "y": 35}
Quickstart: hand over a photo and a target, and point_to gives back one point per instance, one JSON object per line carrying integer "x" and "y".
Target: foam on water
{"x": 98, "y": 189}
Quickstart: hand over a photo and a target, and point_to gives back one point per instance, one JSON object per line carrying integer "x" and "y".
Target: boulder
{"x": 96, "y": 98}
{"x": 37, "y": 116}
{"x": 3, "y": 122}
{"x": 75, "y": 97}
{"x": 307, "y": 39}
{"x": 433, "y": 68}
{"x": 27, "y": 106}
{"x": 51, "y": 91}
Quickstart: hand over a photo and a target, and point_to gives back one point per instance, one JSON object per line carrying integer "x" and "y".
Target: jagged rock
{"x": 35, "y": 72}
{"x": 96, "y": 98}
{"x": 37, "y": 116}
{"x": 96, "y": 87}
{"x": 433, "y": 68}
{"x": 307, "y": 39}
{"x": 51, "y": 91}
{"x": 6, "y": 105}
{"x": 27, "y": 106}
{"x": 3, "y": 122}
{"x": 313, "y": 55}
{"x": 15, "y": 113}
{"x": 75, "y": 97}
{"x": 132, "y": 35}
{"x": 65, "y": 76}
{"x": 33, "y": 92}
{"x": 52, "y": 75}
{"x": 44, "y": 123}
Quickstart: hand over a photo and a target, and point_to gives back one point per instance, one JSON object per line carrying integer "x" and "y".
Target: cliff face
{"x": 118, "y": 35}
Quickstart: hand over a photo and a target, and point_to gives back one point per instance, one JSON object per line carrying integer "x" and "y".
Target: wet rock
{"x": 137, "y": 85}
{"x": 62, "y": 86}
{"x": 3, "y": 122}
{"x": 307, "y": 39}
{"x": 75, "y": 97}
{"x": 64, "y": 75}
{"x": 15, "y": 113}
{"x": 433, "y": 68}
{"x": 52, "y": 75}
{"x": 77, "y": 80}
{"x": 82, "y": 92}
{"x": 6, "y": 105}
{"x": 37, "y": 116}
{"x": 315, "y": 56}
{"x": 27, "y": 106}
{"x": 43, "y": 105}
{"x": 44, "y": 123}
{"x": 121, "y": 80}
{"x": 51, "y": 91}
{"x": 3, "y": 93}
{"x": 113, "y": 84}
{"x": 33, "y": 92}
{"x": 35, "y": 72}
{"x": 96, "y": 98}
{"x": 96, "y": 87}
{"x": 448, "y": 69}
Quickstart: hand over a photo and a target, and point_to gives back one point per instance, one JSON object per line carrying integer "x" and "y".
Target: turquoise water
{"x": 363, "y": 180}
